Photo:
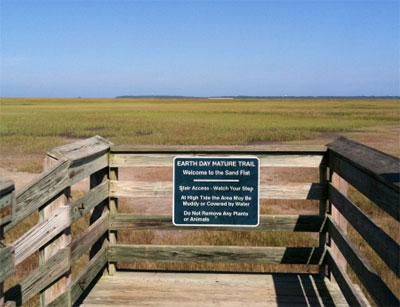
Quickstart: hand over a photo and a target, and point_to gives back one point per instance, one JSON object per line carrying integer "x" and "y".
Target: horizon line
{"x": 215, "y": 97}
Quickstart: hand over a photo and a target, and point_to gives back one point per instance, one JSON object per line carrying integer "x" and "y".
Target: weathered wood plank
{"x": 234, "y": 254}
{"x": 81, "y": 151}
{"x": 385, "y": 196}
{"x": 374, "y": 284}
{"x": 6, "y": 261}
{"x": 349, "y": 291}
{"x": 59, "y": 242}
{"x": 154, "y": 289}
{"x": 164, "y": 189}
{"x": 302, "y": 223}
{"x": 113, "y": 209}
{"x": 41, "y": 234}
{"x": 40, "y": 191}
{"x": 88, "y": 274}
{"x": 7, "y": 202}
{"x": 312, "y": 191}
{"x": 10, "y": 304}
{"x": 343, "y": 187}
{"x": 62, "y": 300}
{"x": 80, "y": 245}
{"x": 100, "y": 210}
{"x": 323, "y": 203}
{"x": 165, "y": 160}
{"x": 229, "y": 149}
{"x": 88, "y": 201}
{"x": 387, "y": 248}
{"x": 381, "y": 166}
{"x": 84, "y": 169}
{"x": 40, "y": 278}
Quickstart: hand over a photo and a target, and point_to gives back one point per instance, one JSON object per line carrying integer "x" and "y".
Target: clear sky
{"x": 201, "y": 48}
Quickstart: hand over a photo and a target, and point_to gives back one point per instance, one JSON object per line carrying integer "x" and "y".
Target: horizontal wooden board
{"x": 374, "y": 284}
{"x": 82, "y": 150}
{"x": 385, "y": 196}
{"x": 88, "y": 274}
{"x": 41, "y": 234}
{"x": 303, "y": 223}
{"x": 164, "y": 189}
{"x": 166, "y": 160}
{"x": 80, "y": 245}
{"x": 229, "y": 149}
{"x": 40, "y": 191}
{"x": 88, "y": 201}
{"x": 84, "y": 169}
{"x": 167, "y": 289}
{"x": 40, "y": 278}
{"x": 231, "y": 254}
{"x": 353, "y": 297}
{"x": 387, "y": 248}
{"x": 6, "y": 261}
{"x": 381, "y": 166}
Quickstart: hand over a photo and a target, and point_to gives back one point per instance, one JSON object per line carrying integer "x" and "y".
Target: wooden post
{"x": 322, "y": 212}
{"x": 62, "y": 241}
{"x": 113, "y": 207}
{"x": 98, "y": 211}
{"x": 342, "y": 186}
{"x": 7, "y": 207}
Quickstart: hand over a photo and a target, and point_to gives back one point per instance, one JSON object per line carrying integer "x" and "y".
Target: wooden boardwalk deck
{"x": 210, "y": 289}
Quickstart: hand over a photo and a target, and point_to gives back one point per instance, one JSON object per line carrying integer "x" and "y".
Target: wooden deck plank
{"x": 213, "y": 289}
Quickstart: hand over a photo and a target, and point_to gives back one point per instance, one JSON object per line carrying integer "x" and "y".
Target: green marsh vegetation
{"x": 35, "y": 125}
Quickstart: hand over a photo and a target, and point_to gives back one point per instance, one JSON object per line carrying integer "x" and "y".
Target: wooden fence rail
{"x": 374, "y": 174}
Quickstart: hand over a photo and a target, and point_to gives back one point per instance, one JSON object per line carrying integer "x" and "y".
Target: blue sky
{"x": 202, "y": 48}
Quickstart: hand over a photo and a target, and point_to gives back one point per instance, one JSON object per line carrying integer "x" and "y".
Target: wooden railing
{"x": 371, "y": 172}
{"x": 50, "y": 194}
{"x": 270, "y": 157}
{"x": 376, "y": 175}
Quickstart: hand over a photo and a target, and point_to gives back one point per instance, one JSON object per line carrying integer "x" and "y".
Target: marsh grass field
{"x": 30, "y": 127}
{"x": 35, "y": 125}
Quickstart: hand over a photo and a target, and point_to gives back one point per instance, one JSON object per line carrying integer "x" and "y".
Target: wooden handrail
{"x": 40, "y": 192}
{"x": 373, "y": 173}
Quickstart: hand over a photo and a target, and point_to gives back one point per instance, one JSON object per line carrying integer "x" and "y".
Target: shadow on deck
{"x": 131, "y": 288}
